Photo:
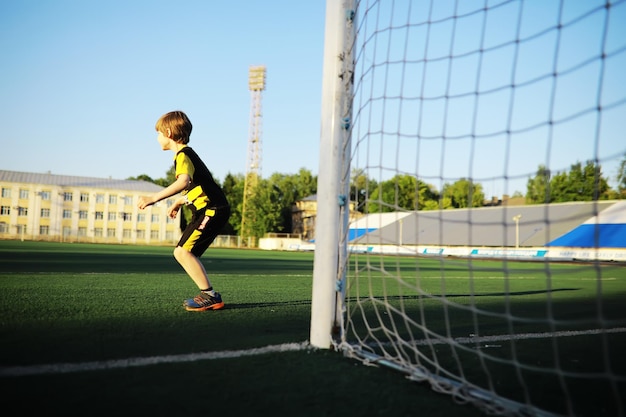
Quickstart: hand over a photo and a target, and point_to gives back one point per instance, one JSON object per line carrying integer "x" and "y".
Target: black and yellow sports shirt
{"x": 203, "y": 191}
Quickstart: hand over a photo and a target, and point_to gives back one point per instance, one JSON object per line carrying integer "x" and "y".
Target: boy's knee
{"x": 178, "y": 252}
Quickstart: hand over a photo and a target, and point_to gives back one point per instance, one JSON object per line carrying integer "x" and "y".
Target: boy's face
{"x": 164, "y": 141}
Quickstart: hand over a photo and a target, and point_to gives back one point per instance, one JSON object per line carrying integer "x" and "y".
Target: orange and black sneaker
{"x": 203, "y": 302}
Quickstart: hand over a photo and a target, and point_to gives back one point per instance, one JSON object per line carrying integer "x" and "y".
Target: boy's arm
{"x": 182, "y": 181}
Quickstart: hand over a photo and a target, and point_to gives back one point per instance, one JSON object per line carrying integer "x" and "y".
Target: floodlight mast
{"x": 256, "y": 84}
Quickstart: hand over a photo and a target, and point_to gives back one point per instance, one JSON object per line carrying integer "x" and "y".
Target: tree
{"x": 233, "y": 189}
{"x": 267, "y": 212}
{"x": 386, "y": 197}
{"x": 463, "y": 193}
{"x": 442, "y": 203}
{"x": 404, "y": 192}
{"x": 429, "y": 197}
{"x": 558, "y": 189}
{"x": 272, "y": 201}
{"x": 578, "y": 184}
{"x": 621, "y": 178}
{"x": 591, "y": 185}
{"x": 287, "y": 189}
{"x": 537, "y": 188}
{"x": 142, "y": 177}
{"x": 361, "y": 187}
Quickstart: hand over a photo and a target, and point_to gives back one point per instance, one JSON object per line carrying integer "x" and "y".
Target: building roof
{"x": 75, "y": 181}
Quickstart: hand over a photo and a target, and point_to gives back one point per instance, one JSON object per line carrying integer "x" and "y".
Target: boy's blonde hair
{"x": 178, "y": 124}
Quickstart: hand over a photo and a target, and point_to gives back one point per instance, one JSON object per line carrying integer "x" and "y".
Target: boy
{"x": 206, "y": 199}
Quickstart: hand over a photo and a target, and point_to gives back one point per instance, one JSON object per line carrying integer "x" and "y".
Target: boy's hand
{"x": 172, "y": 211}
{"x": 144, "y": 202}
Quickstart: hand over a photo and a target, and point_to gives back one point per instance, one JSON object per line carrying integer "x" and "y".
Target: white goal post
{"x": 436, "y": 116}
{"x": 334, "y": 174}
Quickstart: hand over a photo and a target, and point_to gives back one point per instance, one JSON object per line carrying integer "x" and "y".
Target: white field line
{"x": 64, "y": 368}
{"x": 508, "y": 337}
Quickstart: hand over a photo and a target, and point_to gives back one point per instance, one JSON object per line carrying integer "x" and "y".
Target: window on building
{"x": 5, "y": 210}
{"x": 4, "y": 228}
{"x": 23, "y": 194}
{"x": 127, "y": 217}
{"x": 68, "y": 196}
{"x": 99, "y": 198}
{"x": 126, "y": 233}
{"x": 154, "y": 234}
{"x": 44, "y": 230}
{"x": 128, "y": 200}
{"x": 141, "y": 234}
{"x": 112, "y": 199}
{"x": 22, "y": 211}
{"x": 45, "y": 213}
{"x": 6, "y": 193}
{"x": 97, "y": 232}
{"x": 45, "y": 195}
{"x": 99, "y": 215}
{"x": 84, "y": 197}
{"x": 112, "y": 216}
{"x": 83, "y": 214}
{"x": 82, "y": 231}
{"x": 67, "y": 214}
{"x": 141, "y": 217}
{"x": 154, "y": 218}
{"x": 111, "y": 232}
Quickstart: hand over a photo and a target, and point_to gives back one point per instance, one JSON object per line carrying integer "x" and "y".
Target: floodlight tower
{"x": 256, "y": 84}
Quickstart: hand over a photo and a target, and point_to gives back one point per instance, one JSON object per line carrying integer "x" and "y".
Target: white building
{"x": 82, "y": 209}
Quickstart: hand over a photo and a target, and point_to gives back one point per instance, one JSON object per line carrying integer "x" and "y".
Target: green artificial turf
{"x": 82, "y": 303}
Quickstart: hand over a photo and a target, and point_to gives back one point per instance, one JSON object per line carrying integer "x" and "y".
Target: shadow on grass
{"x": 234, "y": 306}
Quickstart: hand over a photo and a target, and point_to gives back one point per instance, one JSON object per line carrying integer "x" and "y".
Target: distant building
{"x": 506, "y": 201}
{"x": 66, "y": 208}
{"x": 304, "y": 213}
{"x": 303, "y": 217}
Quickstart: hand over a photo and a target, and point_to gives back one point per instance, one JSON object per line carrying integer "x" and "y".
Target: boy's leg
{"x": 196, "y": 238}
{"x": 193, "y": 267}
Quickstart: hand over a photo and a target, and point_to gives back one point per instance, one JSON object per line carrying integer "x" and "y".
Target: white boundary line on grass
{"x": 521, "y": 336}
{"x": 64, "y": 368}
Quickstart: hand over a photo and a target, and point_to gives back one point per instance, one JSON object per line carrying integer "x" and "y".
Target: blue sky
{"x": 83, "y": 82}
{"x": 477, "y": 89}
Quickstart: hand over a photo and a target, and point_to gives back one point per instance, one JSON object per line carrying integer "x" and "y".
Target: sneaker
{"x": 203, "y": 302}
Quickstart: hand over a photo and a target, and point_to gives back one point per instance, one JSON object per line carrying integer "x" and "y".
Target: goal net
{"x": 441, "y": 121}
